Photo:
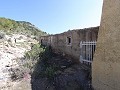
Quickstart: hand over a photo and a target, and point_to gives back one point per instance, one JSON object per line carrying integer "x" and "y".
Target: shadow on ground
{"x": 55, "y": 72}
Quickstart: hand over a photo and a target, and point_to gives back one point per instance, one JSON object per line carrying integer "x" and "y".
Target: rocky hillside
{"x": 20, "y": 27}
{"x": 16, "y": 38}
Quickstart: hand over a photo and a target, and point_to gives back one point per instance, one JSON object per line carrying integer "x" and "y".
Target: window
{"x": 69, "y": 41}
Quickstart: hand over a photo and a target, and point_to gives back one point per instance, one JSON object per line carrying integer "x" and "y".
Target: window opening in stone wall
{"x": 69, "y": 40}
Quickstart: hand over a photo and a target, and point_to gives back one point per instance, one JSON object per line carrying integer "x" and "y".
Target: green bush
{"x": 34, "y": 53}
{"x": 49, "y": 72}
{"x": 37, "y": 60}
{"x": 32, "y": 57}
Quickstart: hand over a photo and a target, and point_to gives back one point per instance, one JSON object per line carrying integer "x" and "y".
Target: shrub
{"x": 16, "y": 73}
{"x": 37, "y": 59}
{"x": 32, "y": 57}
{"x": 49, "y": 72}
{"x": 34, "y": 53}
{"x": 2, "y": 35}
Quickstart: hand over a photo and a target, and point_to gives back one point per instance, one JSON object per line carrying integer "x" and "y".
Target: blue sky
{"x": 54, "y": 16}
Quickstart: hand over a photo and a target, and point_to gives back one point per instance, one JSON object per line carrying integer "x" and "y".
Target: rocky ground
{"x": 12, "y": 48}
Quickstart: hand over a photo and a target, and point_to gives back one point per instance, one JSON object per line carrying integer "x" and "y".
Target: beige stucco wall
{"x": 106, "y": 62}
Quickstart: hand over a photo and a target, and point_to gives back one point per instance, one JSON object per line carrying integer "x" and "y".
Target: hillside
{"x": 19, "y": 27}
{"x": 16, "y": 38}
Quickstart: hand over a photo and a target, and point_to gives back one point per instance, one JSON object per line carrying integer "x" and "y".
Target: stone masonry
{"x": 68, "y": 43}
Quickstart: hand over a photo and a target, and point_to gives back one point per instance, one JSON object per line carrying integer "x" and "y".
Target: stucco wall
{"x": 106, "y": 62}
{"x": 59, "y": 44}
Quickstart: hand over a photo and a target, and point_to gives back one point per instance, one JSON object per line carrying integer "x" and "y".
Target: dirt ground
{"x": 70, "y": 76}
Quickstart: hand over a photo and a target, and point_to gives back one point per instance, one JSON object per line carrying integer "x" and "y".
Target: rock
{"x": 63, "y": 67}
{"x": 58, "y": 72}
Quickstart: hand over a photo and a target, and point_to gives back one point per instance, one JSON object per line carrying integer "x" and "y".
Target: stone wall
{"x": 106, "y": 62}
{"x": 68, "y": 43}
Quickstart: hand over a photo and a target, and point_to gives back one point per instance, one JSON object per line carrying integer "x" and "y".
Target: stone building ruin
{"x": 68, "y": 43}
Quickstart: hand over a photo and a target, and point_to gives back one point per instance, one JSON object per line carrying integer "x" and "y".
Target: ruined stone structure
{"x": 68, "y": 43}
{"x": 106, "y": 62}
